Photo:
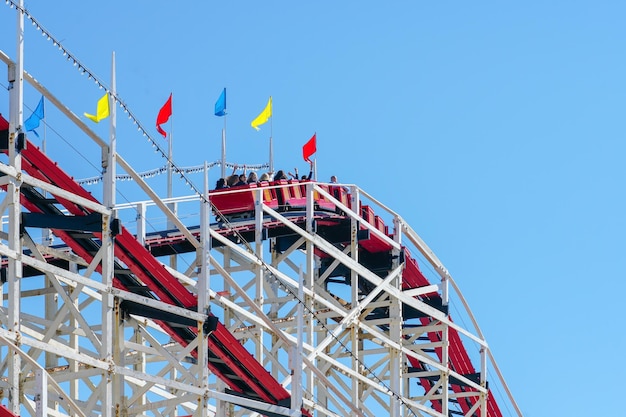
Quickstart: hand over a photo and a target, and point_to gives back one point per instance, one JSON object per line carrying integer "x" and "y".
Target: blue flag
{"x": 32, "y": 122}
{"x": 220, "y": 104}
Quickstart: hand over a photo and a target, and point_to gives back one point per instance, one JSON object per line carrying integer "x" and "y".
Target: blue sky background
{"x": 495, "y": 129}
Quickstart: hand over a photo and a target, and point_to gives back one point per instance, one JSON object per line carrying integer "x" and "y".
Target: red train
{"x": 282, "y": 195}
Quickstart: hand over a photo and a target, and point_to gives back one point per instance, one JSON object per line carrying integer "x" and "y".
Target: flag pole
{"x": 224, "y": 149}
{"x": 271, "y": 136}
{"x": 170, "y": 165}
{"x": 170, "y": 152}
{"x": 220, "y": 110}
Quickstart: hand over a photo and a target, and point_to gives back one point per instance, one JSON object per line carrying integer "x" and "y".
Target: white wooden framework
{"x": 340, "y": 345}
{"x": 277, "y": 305}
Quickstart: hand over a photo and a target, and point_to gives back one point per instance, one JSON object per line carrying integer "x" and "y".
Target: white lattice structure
{"x": 325, "y": 311}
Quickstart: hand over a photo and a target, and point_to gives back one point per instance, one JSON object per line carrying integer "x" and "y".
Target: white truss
{"x": 67, "y": 348}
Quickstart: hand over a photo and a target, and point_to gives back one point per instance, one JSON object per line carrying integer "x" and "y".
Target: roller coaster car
{"x": 282, "y": 195}
{"x": 233, "y": 202}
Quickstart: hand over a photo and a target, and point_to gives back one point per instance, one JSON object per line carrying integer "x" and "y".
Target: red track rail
{"x": 5, "y": 412}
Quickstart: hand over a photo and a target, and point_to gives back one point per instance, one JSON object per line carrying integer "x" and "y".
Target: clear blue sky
{"x": 496, "y": 129}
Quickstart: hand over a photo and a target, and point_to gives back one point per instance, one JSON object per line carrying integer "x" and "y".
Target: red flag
{"x": 309, "y": 148}
{"x": 164, "y": 115}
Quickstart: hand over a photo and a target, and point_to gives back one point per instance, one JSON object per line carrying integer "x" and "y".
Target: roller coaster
{"x": 281, "y": 298}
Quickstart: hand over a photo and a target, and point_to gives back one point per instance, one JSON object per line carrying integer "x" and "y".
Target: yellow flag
{"x": 264, "y": 116}
{"x": 102, "y": 111}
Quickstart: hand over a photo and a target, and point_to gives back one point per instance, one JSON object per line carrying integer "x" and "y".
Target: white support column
{"x": 141, "y": 222}
{"x": 309, "y": 322}
{"x": 108, "y": 259}
{"x": 73, "y": 340}
{"x": 397, "y": 237}
{"x": 356, "y": 344}
{"x": 41, "y": 390}
{"x": 14, "y": 278}
{"x": 396, "y": 359}
{"x": 119, "y": 358}
{"x": 204, "y": 287}
{"x": 483, "y": 380}
{"x": 354, "y": 288}
{"x": 445, "y": 351}
{"x": 260, "y": 273}
{"x": 108, "y": 325}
